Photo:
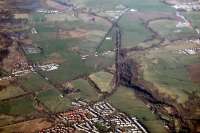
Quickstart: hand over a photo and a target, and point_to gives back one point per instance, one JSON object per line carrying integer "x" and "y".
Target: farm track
{"x": 110, "y": 29}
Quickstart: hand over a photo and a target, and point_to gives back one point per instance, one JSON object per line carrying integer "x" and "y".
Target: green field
{"x": 87, "y": 92}
{"x": 3, "y": 73}
{"x": 167, "y": 29}
{"x": 194, "y": 17}
{"x": 126, "y": 101}
{"x": 50, "y": 46}
{"x": 103, "y": 80}
{"x": 72, "y": 68}
{"x": 133, "y": 31}
{"x": 54, "y": 100}
{"x": 100, "y": 62}
{"x": 71, "y": 64}
{"x": 106, "y": 45}
{"x": 149, "y": 44}
{"x": 86, "y": 62}
{"x": 22, "y": 106}
{"x": 68, "y": 24}
{"x": 37, "y": 17}
{"x": 168, "y": 71}
{"x": 141, "y": 5}
{"x": 35, "y": 83}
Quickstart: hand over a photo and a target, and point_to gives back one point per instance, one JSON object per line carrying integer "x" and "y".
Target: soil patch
{"x": 77, "y": 33}
{"x": 27, "y": 126}
{"x": 194, "y": 72}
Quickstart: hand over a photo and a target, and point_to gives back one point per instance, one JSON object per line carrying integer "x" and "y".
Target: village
{"x": 31, "y": 69}
{"x": 189, "y": 6}
{"x": 189, "y": 51}
{"x": 92, "y": 118}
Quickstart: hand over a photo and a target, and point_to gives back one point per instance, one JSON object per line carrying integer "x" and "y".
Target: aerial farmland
{"x": 99, "y": 66}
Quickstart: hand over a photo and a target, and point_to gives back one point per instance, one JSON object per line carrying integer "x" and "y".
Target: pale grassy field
{"x": 11, "y": 91}
{"x": 103, "y": 80}
{"x": 87, "y": 92}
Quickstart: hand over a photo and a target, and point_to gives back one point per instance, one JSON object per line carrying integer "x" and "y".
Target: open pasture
{"x": 54, "y": 100}
{"x": 87, "y": 92}
{"x": 22, "y": 106}
{"x": 194, "y": 17}
{"x": 133, "y": 31}
{"x": 34, "y": 83}
{"x": 141, "y": 5}
{"x": 168, "y": 29}
{"x": 168, "y": 71}
{"x": 126, "y": 101}
{"x": 64, "y": 42}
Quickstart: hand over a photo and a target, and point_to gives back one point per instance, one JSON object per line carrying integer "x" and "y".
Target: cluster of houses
{"x": 130, "y": 124}
{"x": 107, "y": 52}
{"x": 34, "y": 31}
{"x": 30, "y": 69}
{"x": 195, "y": 41}
{"x": 6, "y": 78}
{"x": 49, "y": 67}
{"x": 190, "y": 6}
{"x": 108, "y": 38}
{"x": 21, "y": 72}
{"x": 84, "y": 57}
{"x": 31, "y": 50}
{"x": 85, "y": 118}
{"x": 58, "y": 128}
{"x": 189, "y": 51}
{"x": 21, "y": 68}
{"x": 87, "y": 127}
{"x": 184, "y": 22}
{"x": 103, "y": 108}
{"x": 75, "y": 116}
{"x": 47, "y": 11}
